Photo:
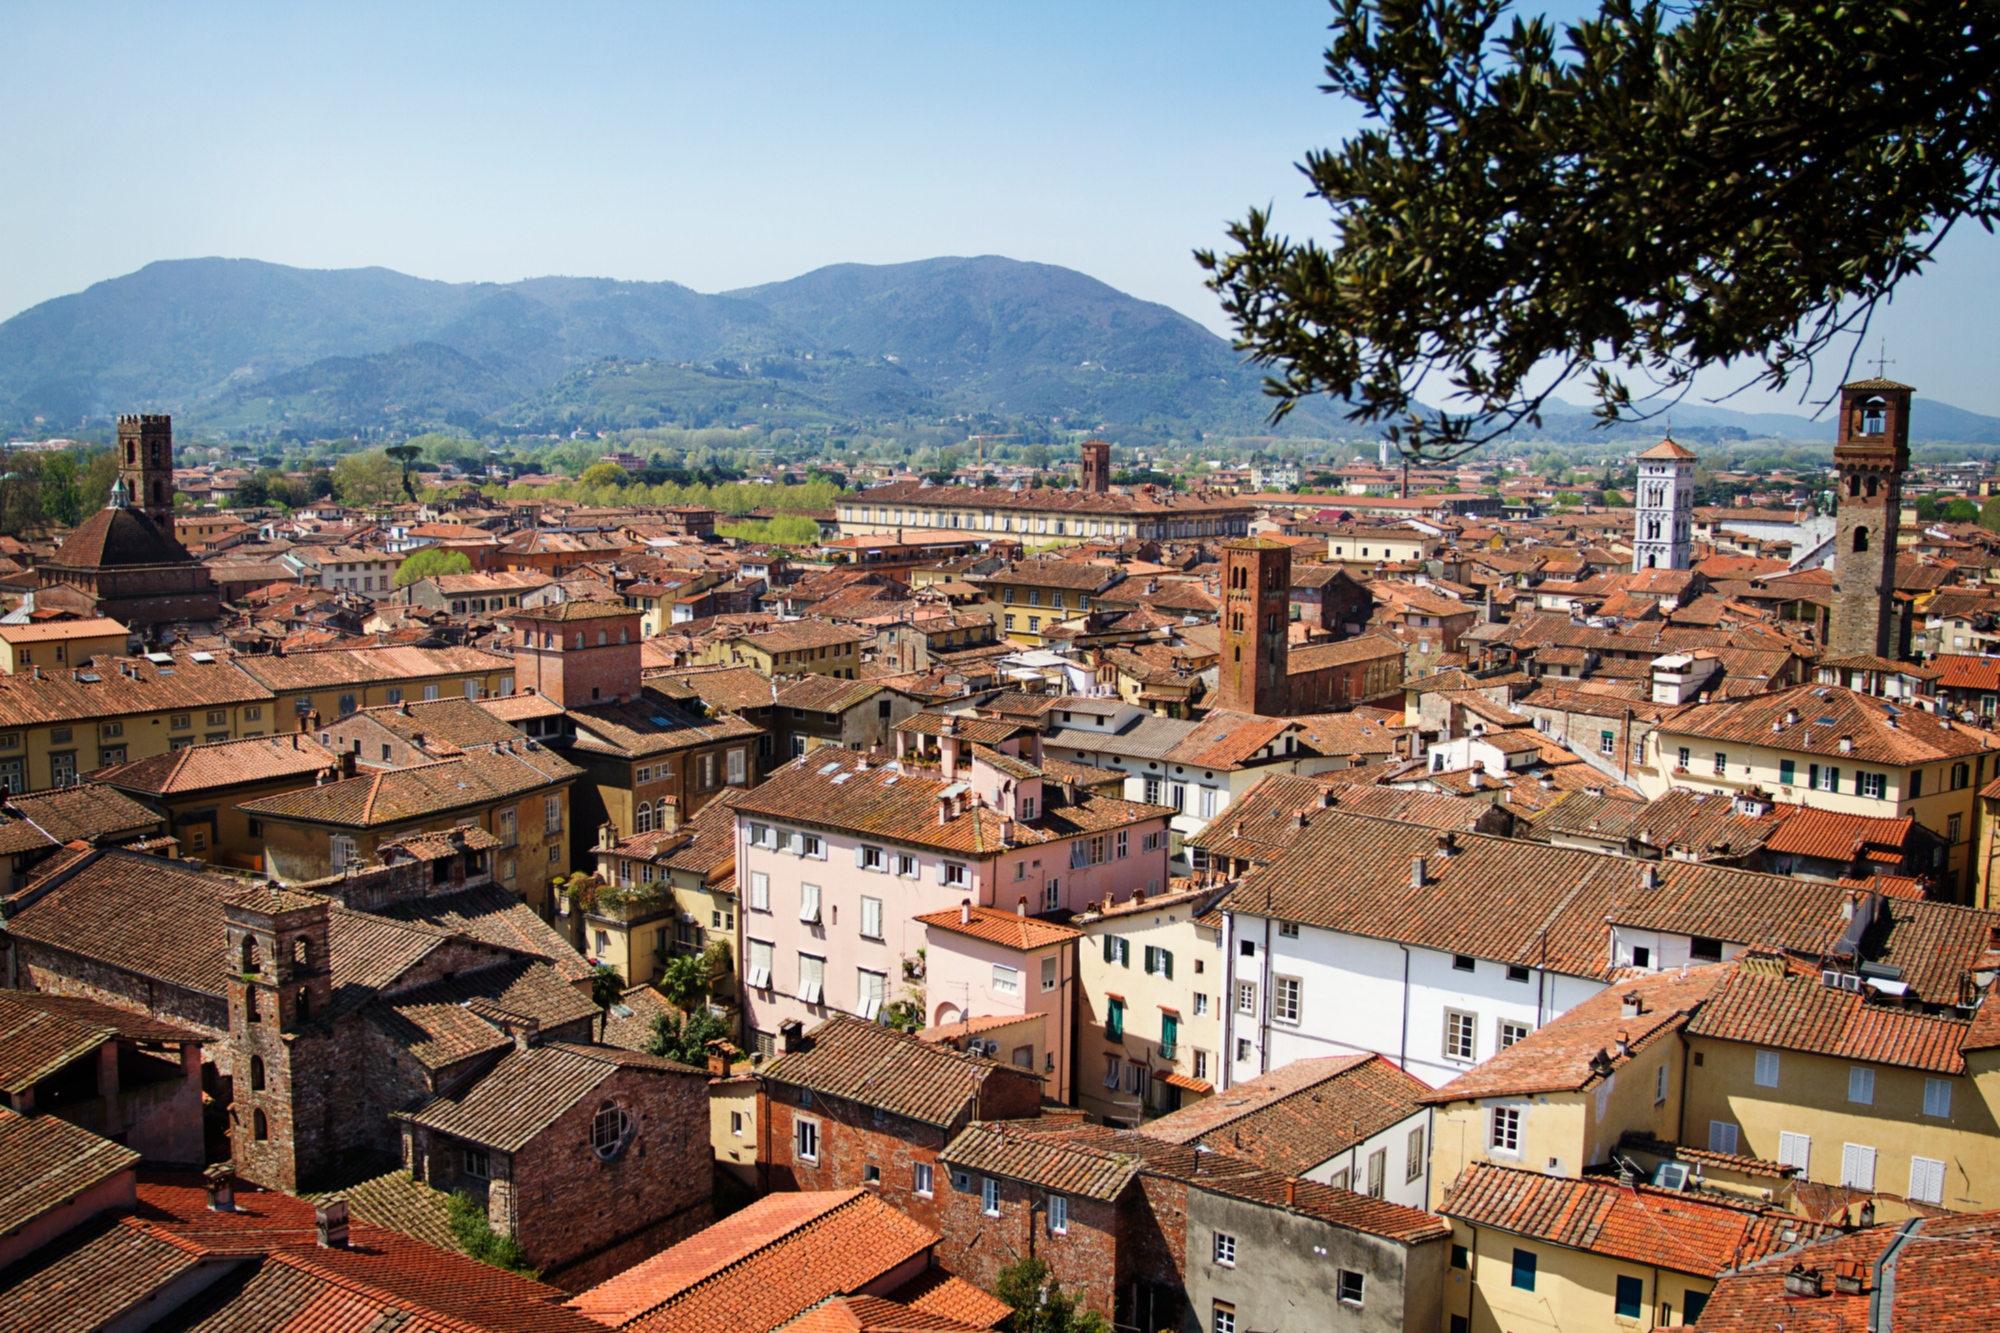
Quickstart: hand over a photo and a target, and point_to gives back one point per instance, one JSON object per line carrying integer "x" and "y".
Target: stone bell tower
{"x": 146, "y": 466}
{"x": 1254, "y": 674}
{"x": 1870, "y": 454}
{"x": 280, "y": 979}
{"x": 1663, "y": 509}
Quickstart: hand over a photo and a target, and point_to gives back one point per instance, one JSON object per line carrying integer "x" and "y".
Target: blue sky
{"x": 717, "y": 145}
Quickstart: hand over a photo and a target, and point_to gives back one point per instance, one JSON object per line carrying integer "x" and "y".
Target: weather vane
{"x": 1882, "y": 361}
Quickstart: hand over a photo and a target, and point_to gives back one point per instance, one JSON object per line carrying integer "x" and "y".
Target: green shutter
{"x": 1167, "y": 964}
{"x": 1787, "y": 770}
{"x": 1110, "y": 949}
{"x": 1152, "y": 957}
{"x": 1170, "y": 1030}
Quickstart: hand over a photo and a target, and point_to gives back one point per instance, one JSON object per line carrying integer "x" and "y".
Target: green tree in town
{"x": 1989, "y": 515}
{"x": 1656, "y": 190}
{"x": 368, "y": 478}
{"x": 406, "y": 456}
{"x": 1039, "y": 1303}
{"x": 430, "y": 563}
{"x": 685, "y": 1036}
{"x": 603, "y": 474}
{"x": 61, "y": 501}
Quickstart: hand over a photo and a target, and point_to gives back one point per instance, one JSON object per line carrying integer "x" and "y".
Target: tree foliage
{"x": 429, "y": 563}
{"x": 474, "y": 1233}
{"x": 369, "y": 478}
{"x": 685, "y": 1036}
{"x": 1040, "y": 1304}
{"x": 1661, "y": 189}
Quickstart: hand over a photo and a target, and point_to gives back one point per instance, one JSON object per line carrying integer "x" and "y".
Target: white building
{"x": 1663, "y": 509}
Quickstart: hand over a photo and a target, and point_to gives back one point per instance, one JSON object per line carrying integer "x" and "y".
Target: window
{"x": 1937, "y": 1097}
{"x": 1461, "y": 1033}
{"x": 906, "y": 866}
{"x": 552, "y": 814}
{"x": 805, "y": 1139}
{"x": 809, "y": 903}
{"x": 477, "y": 1164}
{"x": 1512, "y": 1031}
{"x": 1113, "y": 1068}
{"x": 954, "y": 874}
{"x": 1159, "y": 962}
{"x": 1767, "y": 1069}
{"x": 1607, "y": 742}
{"x": 1705, "y": 949}
{"x": 1378, "y": 1172}
{"x": 1049, "y": 973}
{"x": 1682, "y": 758}
{"x": 1006, "y": 980}
{"x": 812, "y": 978}
{"x": 1861, "y": 1085}
{"x": 180, "y": 721}
{"x": 1503, "y": 1135}
{"x": 1872, "y": 785}
{"x": 1350, "y": 1287}
{"x": 1242, "y": 1048}
{"x": 871, "y": 1174}
{"x": 1961, "y": 776}
{"x": 921, "y": 1179}
{"x": 1224, "y": 1320}
{"x": 989, "y": 1196}
{"x": 1795, "y": 1150}
{"x": 1058, "y": 1215}
{"x": 736, "y": 1123}
{"x": 1857, "y": 1166}
{"x": 1916, "y": 783}
{"x": 430, "y": 692}
{"x": 1631, "y": 1295}
{"x": 1463, "y": 962}
{"x": 1152, "y": 842}
{"x": 1246, "y": 998}
{"x": 1826, "y": 779}
{"x": 1660, "y": 1085}
{"x": 1118, "y": 950}
{"x": 1524, "y": 1270}
{"x": 1788, "y": 772}
{"x": 1200, "y": 1005}
{"x": 1722, "y": 1137}
{"x": 611, "y": 1129}
{"x": 1285, "y": 993}
{"x": 1926, "y": 1180}
{"x": 1515, "y": 972}
{"x": 343, "y": 851}
{"x": 110, "y": 729}
{"x": 873, "y": 989}
{"x": 1225, "y": 1249}
{"x": 1052, "y": 896}
{"x": 1288, "y": 930}
{"x": 1114, "y": 1018}
{"x": 760, "y": 891}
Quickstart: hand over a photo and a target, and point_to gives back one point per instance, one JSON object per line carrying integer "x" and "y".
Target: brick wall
{"x": 977, "y": 1246}
{"x": 850, "y": 1141}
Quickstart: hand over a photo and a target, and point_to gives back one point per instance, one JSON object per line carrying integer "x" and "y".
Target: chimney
{"x": 1631, "y": 1007}
{"x": 1021, "y": 907}
{"x": 330, "y": 1221}
{"x": 1291, "y": 1192}
{"x": 1649, "y": 876}
{"x": 221, "y": 1182}
{"x": 965, "y": 911}
{"x": 1447, "y": 844}
{"x": 1419, "y": 873}
{"x": 347, "y": 763}
{"x": 1624, "y": 1041}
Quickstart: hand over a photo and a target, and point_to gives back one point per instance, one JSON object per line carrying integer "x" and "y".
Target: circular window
{"x": 611, "y": 1130}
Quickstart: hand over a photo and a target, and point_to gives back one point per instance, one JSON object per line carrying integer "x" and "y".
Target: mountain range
{"x": 240, "y": 347}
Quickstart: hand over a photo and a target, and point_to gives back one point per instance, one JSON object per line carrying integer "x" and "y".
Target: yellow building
{"x": 1150, "y": 972}
{"x": 57, "y": 645}
{"x": 335, "y": 683}
{"x": 517, "y": 798}
{"x": 1029, "y": 597}
{"x": 58, "y": 724}
{"x": 791, "y": 647}
{"x": 671, "y": 891}
{"x": 1045, "y": 516}
{"x": 200, "y": 790}
{"x": 1833, "y": 749}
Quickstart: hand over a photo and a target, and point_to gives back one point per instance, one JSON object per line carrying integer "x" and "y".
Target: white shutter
{"x": 1722, "y": 1137}
{"x": 1857, "y": 1166}
{"x": 940, "y": 872}
{"x": 1926, "y": 1180}
{"x": 1795, "y": 1150}
{"x": 858, "y": 854}
{"x": 809, "y": 902}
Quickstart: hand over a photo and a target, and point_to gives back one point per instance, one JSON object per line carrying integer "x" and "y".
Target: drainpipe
{"x": 1471, "y": 1267}
{"x": 1681, "y": 1112}
{"x": 1225, "y": 1056}
{"x": 1403, "y": 1044}
{"x": 1264, "y": 1009}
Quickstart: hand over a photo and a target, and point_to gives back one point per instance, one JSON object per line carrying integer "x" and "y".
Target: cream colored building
{"x": 1043, "y": 517}
{"x": 57, "y": 645}
{"x": 336, "y": 683}
{"x": 1152, "y": 975}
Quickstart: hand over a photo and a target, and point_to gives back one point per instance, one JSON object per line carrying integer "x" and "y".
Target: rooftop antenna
{"x": 1882, "y": 361}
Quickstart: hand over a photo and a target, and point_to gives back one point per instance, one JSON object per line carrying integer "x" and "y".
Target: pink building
{"x": 984, "y": 967}
{"x": 837, "y": 857}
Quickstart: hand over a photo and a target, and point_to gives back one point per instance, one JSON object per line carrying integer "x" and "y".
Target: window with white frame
{"x": 1503, "y": 1130}
{"x": 1857, "y": 1166}
{"x": 1224, "y": 1320}
{"x": 1873, "y": 785}
{"x": 1795, "y": 1150}
{"x": 812, "y": 978}
{"x": 954, "y": 875}
{"x": 1861, "y": 1085}
{"x": 1225, "y": 1249}
{"x": 1058, "y": 1215}
{"x": 805, "y": 1139}
{"x": 1246, "y": 998}
{"x": 989, "y": 1196}
{"x": 1288, "y": 930}
{"x": 1052, "y": 896}
{"x": 809, "y": 903}
{"x": 1937, "y": 1097}
{"x": 1113, "y": 1071}
{"x": 1285, "y": 999}
{"x": 760, "y": 891}
{"x": 1349, "y": 1287}
{"x": 1722, "y": 1137}
{"x": 871, "y": 918}
{"x": 1511, "y": 1031}
{"x": 1414, "y": 1159}
{"x": 906, "y": 866}
{"x": 1461, "y": 1035}
{"x": 759, "y": 975}
{"x": 921, "y": 1179}
{"x": 1006, "y": 980}
{"x": 1660, "y": 1085}
{"x": 1926, "y": 1180}
{"x": 1049, "y": 973}
{"x": 1200, "y": 1004}
{"x": 1766, "y": 1072}
{"x": 343, "y": 850}
{"x": 873, "y": 988}
{"x": 870, "y": 858}
{"x": 552, "y": 814}
{"x": 739, "y": 767}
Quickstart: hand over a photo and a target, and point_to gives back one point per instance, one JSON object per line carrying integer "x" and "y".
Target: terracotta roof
{"x": 297, "y": 673}
{"x": 222, "y": 764}
{"x": 119, "y": 538}
{"x": 1795, "y": 1012}
{"x": 85, "y": 811}
{"x": 131, "y": 1024}
{"x": 1938, "y": 1274}
{"x": 1826, "y": 715}
{"x": 493, "y": 915}
{"x": 567, "y": 612}
{"x": 870, "y": 1065}
{"x": 652, "y": 725}
{"x": 762, "y": 1267}
{"x": 122, "y": 687}
{"x": 1076, "y": 575}
{"x": 153, "y": 917}
{"x": 1805, "y": 830}
{"x": 1011, "y": 930}
{"x": 792, "y": 636}
{"x": 978, "y": 730}
{"x": 528, "y": 1090}
{"x": 458, "y": 723}
{"x": 938, "y": 1292}
{"x": 1704, "y": 823}
{"x": 729, "y": 688}
{"x": 398, "y": 795}
{"x": 872, "y": 1314}
{"x": 1300, "y": 1115}
{"x": 1003, "y": 1148}
{"x": 1667, "y": 1228}
{"x": 817, "y": 692}
{"x": 61, "y": 630}
{"x": 1957, "y": 671}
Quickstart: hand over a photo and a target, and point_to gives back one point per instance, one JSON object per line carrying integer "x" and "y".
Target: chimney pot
{"x": 1291, "y": 1193}
{"x": 965, "y": 911}
{"x": 221, "y": 1182}
{"x": 1021, "y": 907}
{"x": 1419, "y": 872}
{"x": 330, "y": 1221}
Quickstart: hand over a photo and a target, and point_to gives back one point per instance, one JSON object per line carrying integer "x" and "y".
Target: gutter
{"x": 1882, "y": 1299}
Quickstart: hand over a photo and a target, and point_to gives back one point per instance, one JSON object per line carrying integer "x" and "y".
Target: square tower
{"x": 1870, "y": 455}
{"x": 1096, "y": 466}
{"x": 280, "y": 978}
{"x": 146, "y": 466}
{"x": 1663, "y": 509}
{"x": 576, "y": 654}
{"x": 1254, "y": 675}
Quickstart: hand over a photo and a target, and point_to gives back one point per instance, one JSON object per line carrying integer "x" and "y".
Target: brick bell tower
{"x": 1253, "y": 676}
{"x": 1096, "y": 467}
{"x": 146, "y": 466}
{"x": 280, "y": 978}
{"x": 1870, "y": 455}
{"x": 577, "y": 654}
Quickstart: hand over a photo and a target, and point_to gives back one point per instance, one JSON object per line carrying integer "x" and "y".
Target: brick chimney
{"x": 330, "y": 1221}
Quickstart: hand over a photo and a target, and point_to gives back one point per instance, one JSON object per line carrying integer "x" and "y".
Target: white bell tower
{"x": 1663, "y": 509}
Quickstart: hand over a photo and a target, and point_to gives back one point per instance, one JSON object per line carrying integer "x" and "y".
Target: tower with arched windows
{"x": 1663, "y": 509}
{"x": 1870, "y": 454}
{"x": 146, "y": 466}
{"x": 280, "y": 982}
{"x": 1254, "y": 675}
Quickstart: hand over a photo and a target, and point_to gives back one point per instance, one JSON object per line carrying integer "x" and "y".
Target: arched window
{"x": 579, "y": 638}
{"x": 611, "y": 1130}
{"x": 1854, "y": 484}
{"x": 1874, "y": 417}
{"x": 600, "y": 638}
{"x": 1652, "y": 562}
{"x": 256, "y": 1073}
{"x": 304, "y": 1004}
{"x": 250, "y": 959}
{"x": 1871, "y": 488}
{"x": 302, "y": 948}
{"x": 131, "y": 453}
{"x": 642, "y": 818}
{"x": 622, "y": 635}
{"x": 250, "y": 1014}
{"x": 260, "y": 1126}
{"x": 1861, "y": 539}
